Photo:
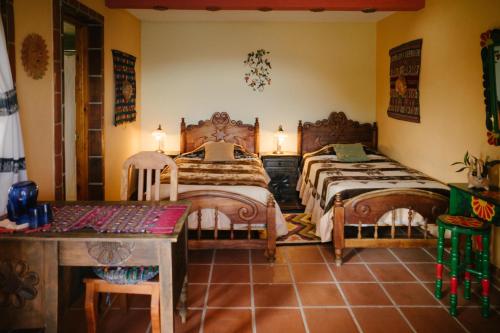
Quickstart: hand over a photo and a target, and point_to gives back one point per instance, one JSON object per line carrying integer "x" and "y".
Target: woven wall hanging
{"x": 124, "y": 68}
{"x": 35, "y": 56}
{"x": 260, "y": 70}
{"x": 404, "y": 103}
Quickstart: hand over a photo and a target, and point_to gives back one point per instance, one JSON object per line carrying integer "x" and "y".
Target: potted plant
{"x": 478, "y": 169}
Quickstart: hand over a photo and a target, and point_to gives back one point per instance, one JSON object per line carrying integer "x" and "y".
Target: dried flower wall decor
{"x": 35, "y": 56}
{"x": 260, "y": 70}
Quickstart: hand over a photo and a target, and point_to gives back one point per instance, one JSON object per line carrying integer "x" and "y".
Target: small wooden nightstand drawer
{"x": 281, "y": 162}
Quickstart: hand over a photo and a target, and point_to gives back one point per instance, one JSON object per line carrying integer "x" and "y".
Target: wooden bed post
{"x": 256, "y": 136}
{"x": 271, "y": 229}
{"x": 299, "y": 138}
{"x": 338, "y": 228}
{"x": 183, "y": 136}
{"x": 375, "y": 136}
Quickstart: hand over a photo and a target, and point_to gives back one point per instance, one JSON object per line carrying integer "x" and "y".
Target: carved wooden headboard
{"x": 220, "y": 127}
{"x": 336, "y": 129}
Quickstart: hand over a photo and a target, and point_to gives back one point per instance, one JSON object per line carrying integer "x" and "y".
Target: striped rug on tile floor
{"x": 300, "y": 230}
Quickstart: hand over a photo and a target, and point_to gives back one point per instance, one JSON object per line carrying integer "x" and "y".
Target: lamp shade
{"x": 158, "y": 133}
{"x": 280, "y": 134}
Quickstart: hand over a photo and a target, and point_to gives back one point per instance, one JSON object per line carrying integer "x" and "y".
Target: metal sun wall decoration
{"x": 260, "y": 70}
{"x": 35, "y": 56}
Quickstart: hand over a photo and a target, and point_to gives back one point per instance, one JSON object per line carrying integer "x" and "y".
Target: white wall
{"x": 194, "y": 69}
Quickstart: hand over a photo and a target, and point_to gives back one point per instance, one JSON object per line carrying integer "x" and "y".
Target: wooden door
{"x": 81, "y": 97}
{"x": 89, "y": 113}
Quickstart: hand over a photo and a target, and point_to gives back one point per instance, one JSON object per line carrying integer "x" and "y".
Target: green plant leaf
{"x": 457, "y": 163}
{"x": 461, "y": 169}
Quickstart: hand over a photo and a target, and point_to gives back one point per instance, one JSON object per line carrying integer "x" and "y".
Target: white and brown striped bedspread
{"x": 244, "y": 176}
{"x": 323, "y": 176}
{"x": 195, "y": 171}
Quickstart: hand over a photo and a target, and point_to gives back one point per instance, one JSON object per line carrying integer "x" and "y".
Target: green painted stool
{"x": 468, "y": 226}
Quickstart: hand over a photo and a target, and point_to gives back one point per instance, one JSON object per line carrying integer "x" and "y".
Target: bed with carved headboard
{"x": 225, "y": 203}
{"x": 372, "y": 203}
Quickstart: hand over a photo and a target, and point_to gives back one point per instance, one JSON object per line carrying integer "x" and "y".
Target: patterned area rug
{"x": 300, "y": 230}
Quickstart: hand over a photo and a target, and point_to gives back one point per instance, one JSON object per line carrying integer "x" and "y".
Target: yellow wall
{"x": 122, "y": 31}
{"x": 451, "y": 92}
{"x": 193, "y": 69}
{"x": 36, "y": 97}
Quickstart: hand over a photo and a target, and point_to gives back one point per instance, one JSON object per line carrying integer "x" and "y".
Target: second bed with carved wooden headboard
{"x": 229, "y": 197}
{"x": 371, "y": 202}
{"x": 220, "y": 128}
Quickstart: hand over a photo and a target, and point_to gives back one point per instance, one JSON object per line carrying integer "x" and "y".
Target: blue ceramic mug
{"x": 33, "y": 218}
{"x": 44, "y": 214}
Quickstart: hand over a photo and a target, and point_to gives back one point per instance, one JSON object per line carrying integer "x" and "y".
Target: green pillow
{"x": 351, "y": 152}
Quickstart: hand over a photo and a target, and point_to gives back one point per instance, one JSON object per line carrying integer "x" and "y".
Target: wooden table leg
{"x": 51, "y": 286}
{"x": 166, "y": 296}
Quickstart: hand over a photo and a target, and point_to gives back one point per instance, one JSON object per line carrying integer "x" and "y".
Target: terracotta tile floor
{"x": 375, "y": 290}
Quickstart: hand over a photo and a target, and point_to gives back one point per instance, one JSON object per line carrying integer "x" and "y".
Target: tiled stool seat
{"x": 469, "y": 227}
{"x": 463, "y": 221}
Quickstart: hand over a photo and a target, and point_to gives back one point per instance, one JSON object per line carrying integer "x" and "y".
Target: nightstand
{"x": 284, "y": 172}
{"x": 172, "y": 154}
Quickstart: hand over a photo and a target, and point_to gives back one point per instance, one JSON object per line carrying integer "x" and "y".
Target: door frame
{"x": 91, "y": 99}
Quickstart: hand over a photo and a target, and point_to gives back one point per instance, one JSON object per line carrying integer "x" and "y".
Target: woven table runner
{"x": 117, "y": 218}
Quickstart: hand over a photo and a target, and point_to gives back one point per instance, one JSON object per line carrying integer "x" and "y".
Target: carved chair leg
{"x": 182, "y": 308}
{"x": 90, "y": 306}
{"x": 155, "y": 309}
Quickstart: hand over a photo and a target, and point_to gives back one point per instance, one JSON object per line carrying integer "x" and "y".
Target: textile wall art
{"x": 124, "y": 69}
{"x": 259, "y": 74}
{"x": 404, "y": 80}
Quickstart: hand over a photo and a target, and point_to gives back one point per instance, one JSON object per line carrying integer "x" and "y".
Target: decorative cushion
{"x": 462, "y": 221}
{"x": 219, "y": 151}
{"x": 352, "y": 152}
{"x": 126, "y": 275}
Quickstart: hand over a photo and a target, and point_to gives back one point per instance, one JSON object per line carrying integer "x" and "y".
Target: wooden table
{"x": 475, "y": 202}
{"x": 29, "y": 267}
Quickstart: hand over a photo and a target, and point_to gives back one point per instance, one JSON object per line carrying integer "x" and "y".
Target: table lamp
{"x": 159, "y": 134}
{"x": 280, "y": 139}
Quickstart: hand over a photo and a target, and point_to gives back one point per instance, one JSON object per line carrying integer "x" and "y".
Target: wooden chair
{"x": 95, "y": 286}
{"x": 146, "y": 162}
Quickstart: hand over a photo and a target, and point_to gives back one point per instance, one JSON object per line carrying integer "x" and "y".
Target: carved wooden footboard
{"x": 368, "y": 208}
{"x": 240, "y": 210}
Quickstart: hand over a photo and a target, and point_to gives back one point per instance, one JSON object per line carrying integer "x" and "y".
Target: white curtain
{"x": 12, "y": 162}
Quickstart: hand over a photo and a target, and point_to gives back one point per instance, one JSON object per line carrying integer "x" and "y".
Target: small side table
{"x": 284, "y": 172}
{"x": 475, "y": 202}
{"x": 172, "y": 154}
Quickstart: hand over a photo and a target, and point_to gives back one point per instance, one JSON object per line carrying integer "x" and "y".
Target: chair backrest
{"x": 146, "y": 162}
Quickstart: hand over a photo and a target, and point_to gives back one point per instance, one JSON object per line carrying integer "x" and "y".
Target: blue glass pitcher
{"x": 21, "y": 198}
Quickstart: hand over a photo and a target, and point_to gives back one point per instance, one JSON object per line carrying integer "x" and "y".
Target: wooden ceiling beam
{"x": 318, "y": 5}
